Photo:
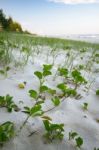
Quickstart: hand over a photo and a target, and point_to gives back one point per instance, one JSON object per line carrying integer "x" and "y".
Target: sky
{"x": 54, "y": 17}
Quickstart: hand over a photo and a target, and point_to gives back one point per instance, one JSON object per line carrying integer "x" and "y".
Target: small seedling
{"x": 74, "y": 136}
{"x": 6, "y": 132}
{"x": 6, "y": 101}
{"x": 77, "y": 77}
{"x": 46, "y": 72}
{"x": 53, "y": 131}
{"x": 41, "y": 75}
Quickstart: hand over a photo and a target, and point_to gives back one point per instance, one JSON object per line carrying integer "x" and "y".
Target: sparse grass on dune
{"x": 38, "y": 40}
{"x": 17, "y": 47}
{"x": 50, "y": 82}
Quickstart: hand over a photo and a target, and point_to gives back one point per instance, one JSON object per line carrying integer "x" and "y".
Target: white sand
{"x": 70, "y": 112}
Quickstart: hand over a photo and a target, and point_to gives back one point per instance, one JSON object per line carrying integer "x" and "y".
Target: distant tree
{"x": 17, "y": 27}
{"x": 3, "y": 20}
{"x": 8, "y": 23}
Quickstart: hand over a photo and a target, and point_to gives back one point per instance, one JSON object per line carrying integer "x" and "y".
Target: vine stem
{"x": 24, "y": 123}
{"x": 46, "y": 112}
{"x": 55, "y": 106}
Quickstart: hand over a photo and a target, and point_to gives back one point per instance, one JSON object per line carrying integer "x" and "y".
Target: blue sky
{"x": 55, "y": 17}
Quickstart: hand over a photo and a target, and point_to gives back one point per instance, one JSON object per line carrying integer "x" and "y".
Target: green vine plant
{"x": 78, "y": 78}
{"x": 53, "y": 131}
{"x": 39, "y": 98}
{"x": 6, "y": 132}
{"x": 78, "y": 140}
{"x": 36, "y": 110}
{"x": 71, "y": 77}
{"x": 8, "y": 103}
{"x": 46, "y": 72}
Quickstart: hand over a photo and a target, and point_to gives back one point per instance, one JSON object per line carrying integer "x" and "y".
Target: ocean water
{"x": 88, "y": 38}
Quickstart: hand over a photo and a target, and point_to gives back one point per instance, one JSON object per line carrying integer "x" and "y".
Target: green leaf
{"x": 76, "y": 73}
{"x": 46, "y": 118}
{"x": 72, "y": 135}
{"x": 77, "y": 77}
{"x": 47, "y": 125}
{"x": 36, "y": 111}
{"x": 62, "y": 87}
{"x": 33, "y": 94}
{"x": 70, "y": 92}
{"x": 63, "y": 71}
{"x": 57, "y": 127}
{"x": 43, "y": 88}
{"x": 38, "y": 74}
{"x": 56, "y": 101}
{"x": 79, "y": 142}
{"x": 97, "y": 92}
{"x": 2, "y": 101}
{"x": 47, "y": 67}
{"x": 6, "y": 101}
{"x": 46, "y": 73}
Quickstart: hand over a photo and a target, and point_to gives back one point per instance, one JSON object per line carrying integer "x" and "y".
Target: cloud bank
{"x": 75, "y": 1}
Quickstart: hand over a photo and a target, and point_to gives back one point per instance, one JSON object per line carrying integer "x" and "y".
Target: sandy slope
{"x": 70, "y": 113}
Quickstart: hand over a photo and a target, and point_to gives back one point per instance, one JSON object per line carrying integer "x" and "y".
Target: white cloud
{"x": 75, "y": 1}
